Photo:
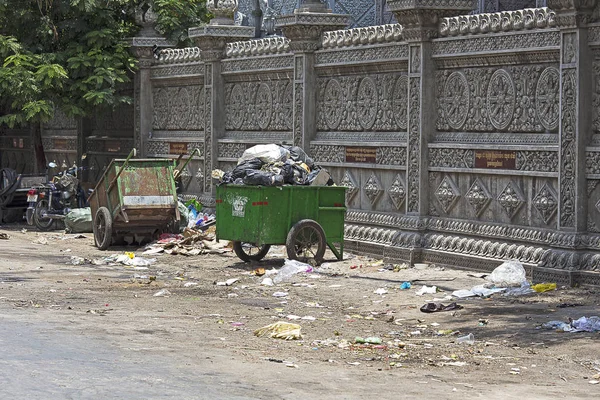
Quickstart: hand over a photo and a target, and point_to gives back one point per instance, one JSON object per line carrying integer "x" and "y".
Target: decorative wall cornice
{"x": 178, "y": 56}
{"x": 532, "y": 18}
{"x": 266, "y": 46}
{"x": 362, "y": 36}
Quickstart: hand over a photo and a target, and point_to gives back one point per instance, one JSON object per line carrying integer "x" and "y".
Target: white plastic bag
{"x": 508, "y": 274}
{"x": 289, "y": 269}
{"x": 267, "y": 153}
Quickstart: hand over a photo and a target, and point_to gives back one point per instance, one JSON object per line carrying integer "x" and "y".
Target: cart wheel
{"x": 305, "y": 241}
{"x": 250, "y": 252}
{"x": 41, "y": 209}
{"x": 103, "y": 228}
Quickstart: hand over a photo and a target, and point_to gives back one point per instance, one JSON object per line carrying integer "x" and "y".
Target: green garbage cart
{"x": 305, "y": 219}
{"x": 135, "y": 196}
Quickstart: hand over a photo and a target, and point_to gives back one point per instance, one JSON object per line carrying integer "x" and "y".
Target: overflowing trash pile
{"x": 191, "y": 242}
{"x": 274, "y": 165}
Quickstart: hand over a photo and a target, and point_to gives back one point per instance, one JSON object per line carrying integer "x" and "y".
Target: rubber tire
{"x": 238, "y": 248}
{"x": 42, "y": 225}
{"x": 103, "y": 228}
{"x": 296, "y": 241}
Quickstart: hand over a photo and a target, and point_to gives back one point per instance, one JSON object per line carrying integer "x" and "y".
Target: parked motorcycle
{"x": 55, "y": 199}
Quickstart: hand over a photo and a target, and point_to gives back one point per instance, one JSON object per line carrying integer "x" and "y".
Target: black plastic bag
{"x": 261, "y": 178}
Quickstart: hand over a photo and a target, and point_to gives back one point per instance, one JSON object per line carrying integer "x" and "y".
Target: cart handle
{"x": 133, "y": 153}
{"x": 177, "y": 172}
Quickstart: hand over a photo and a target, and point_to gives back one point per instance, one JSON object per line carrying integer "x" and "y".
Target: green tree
{"x": 73, "y": 53}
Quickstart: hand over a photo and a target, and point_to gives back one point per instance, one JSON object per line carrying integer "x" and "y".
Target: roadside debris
{"x": 280, "y": 330}
{"x": 368, "y": 340}
{"x": 191, "y": 242}
{"x": 583, "y": 324}
{"x": 508, "y": 274}
{"x": 40, "y": 240}
{"x": 405, "y": 285}
{"x": 289, "y": 269}
{"x": 436, "y": 307}
{"x": 544, "y": 287}
{"x": 75, "y": 260}
{"x": 380, "y": 291}
{"x": 467, "y": 339}
{"x": 79, "y": 220}
{"x": 5, "y": 236}
{"x": 228, "y": 282}
{"x": 274, "y": 165}
{"x": 162, "y": 293}
{"x": 426, "y": 290}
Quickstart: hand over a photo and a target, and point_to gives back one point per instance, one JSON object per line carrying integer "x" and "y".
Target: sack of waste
{"x": 79, "y": 220}
{"x": 280, "y": 330}
{"x": 508, "y": 274}
{"x": 274, "y": 165}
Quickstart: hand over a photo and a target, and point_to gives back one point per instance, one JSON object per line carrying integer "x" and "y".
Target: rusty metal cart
{"x": 134, "y": 196}
{"x": 304, "y": 218}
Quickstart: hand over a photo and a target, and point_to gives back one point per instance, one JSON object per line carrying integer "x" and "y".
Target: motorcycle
{"x": 55, "y": 199}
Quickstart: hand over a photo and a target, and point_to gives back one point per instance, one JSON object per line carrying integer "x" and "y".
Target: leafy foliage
{"x": 73, "y": 54}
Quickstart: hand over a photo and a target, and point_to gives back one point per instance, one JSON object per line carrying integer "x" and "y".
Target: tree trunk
{"x": 38, "y": 147}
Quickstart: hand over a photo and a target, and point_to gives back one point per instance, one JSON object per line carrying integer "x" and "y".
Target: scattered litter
{"x": 474, "y": 275}
{"x": 4, "y": 236}
{"x": 292, "y": 317}
{"x": 162, "y": 293}
{"x": 190, "y": 284}
{"x": 525, "y": 289}
{"x": 467, "y": 339}
{"x": 594, "y": 382}
{"x": 565, "y": 305}
{"x": 228, "y": 282}
{"x": 583, "y": 324}
{"x": 453, "y": 363}
{"x": 267, "y": 282}
{"x": 421, "y": 266}
{"x": 380, "y": 291}
{"x": 280, "y": 294}
{"x": 75, "y": 260}
{"x": 426, "y": 290}
{"x": 258, "y": 272}
{"x": 291, "y": 268}
{"x": 280, "y": 330}
{"x": 508, "y": 274}
{"x": 40, "y": 240}
{"x": 353, "y": 363}
{"x": 405, "y": 285}
{"x": 544, "y": 287}
{"x": 436, "y": 307}
{"x": 368, "y": 340}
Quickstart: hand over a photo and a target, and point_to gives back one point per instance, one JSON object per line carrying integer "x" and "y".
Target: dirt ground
{"x": 200, "y": 320}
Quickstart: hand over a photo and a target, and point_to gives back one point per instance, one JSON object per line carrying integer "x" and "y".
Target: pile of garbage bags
{"x": 274, "y": 165}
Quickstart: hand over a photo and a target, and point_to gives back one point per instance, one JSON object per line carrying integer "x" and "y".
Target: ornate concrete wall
{"x": 463, "y": 140}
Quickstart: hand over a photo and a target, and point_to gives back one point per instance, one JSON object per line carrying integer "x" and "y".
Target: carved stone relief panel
{"x": 568, "y": 156}
{"x": 362, "y": 103}
{"x": 546, "y": 202}
{"x": 178, "y": 108}
{"x": 478, "y": 196}
{"x": 397, "y": 192}
{"x": 511, "y": 199}
{"x": 373, "y": 188}
{"x": 511, "y": 99}
{"x": 259, "y": 106}
{"x": 349, "y": 181}
{"x": 447, "y": 194}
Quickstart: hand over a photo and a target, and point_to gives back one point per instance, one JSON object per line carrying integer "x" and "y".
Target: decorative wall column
{"x": 419, "y": 20}
{"x": 305, "y": 28}
{"x": 575, "y": 113}
{"x": 144, "y": 47}
{"x": 212, "y": 40}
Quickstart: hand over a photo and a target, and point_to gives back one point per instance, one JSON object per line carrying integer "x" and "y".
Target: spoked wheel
{"x": 250, "y": 252}
{"x": 306, "y": 241}
{"x": 41, "y": 209}
{"x": 103, "y": 228}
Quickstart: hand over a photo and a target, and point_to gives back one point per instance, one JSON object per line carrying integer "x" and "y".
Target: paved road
{"x": 38, "y": 361}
